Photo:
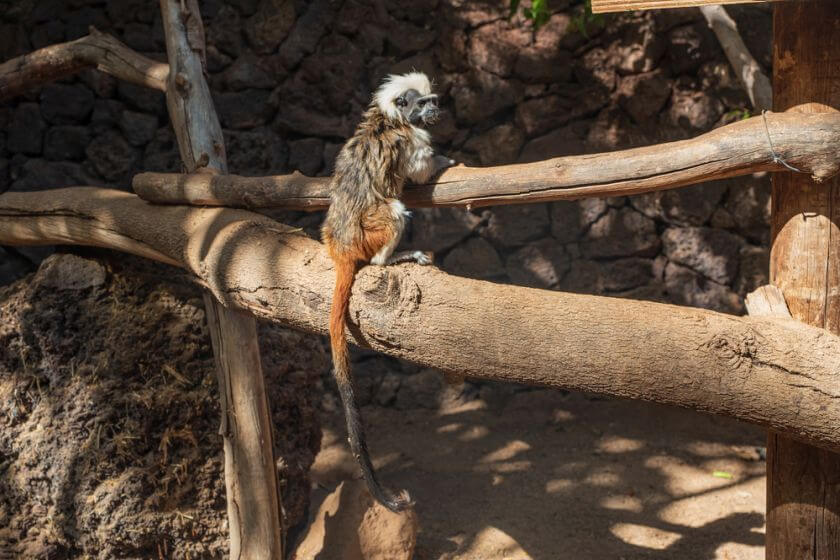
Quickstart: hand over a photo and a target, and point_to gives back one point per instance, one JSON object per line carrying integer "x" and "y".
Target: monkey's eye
{"x": 422, "y": 102}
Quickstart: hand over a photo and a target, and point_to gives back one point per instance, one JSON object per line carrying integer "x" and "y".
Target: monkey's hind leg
{"x": 383, "y": 228}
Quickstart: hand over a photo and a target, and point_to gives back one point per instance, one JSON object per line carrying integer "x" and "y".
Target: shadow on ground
{"x": 547, "y": 475}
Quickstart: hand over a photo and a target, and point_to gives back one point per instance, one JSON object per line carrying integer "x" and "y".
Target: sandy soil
{"x": 546, "y": 475}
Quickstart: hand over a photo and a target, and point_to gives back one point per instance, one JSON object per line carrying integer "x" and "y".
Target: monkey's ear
{"x": 401, "y": 101}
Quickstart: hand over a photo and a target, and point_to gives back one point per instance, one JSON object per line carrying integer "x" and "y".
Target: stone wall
{"x": 290, "y": 79}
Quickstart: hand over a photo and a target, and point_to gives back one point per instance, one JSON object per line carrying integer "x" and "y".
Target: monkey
{"x": 366, "y": 219}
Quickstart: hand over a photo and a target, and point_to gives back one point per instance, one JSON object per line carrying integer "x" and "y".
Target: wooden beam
{"x": 767, "y": 301}
{"x": 253, "y": 501}
{"x": 773, "y": 372}
{"x": 806, "y": 141}
{"x": 606, "y": 6}
{"x": 803, "y": 487}
{"x": 98, "y": 50}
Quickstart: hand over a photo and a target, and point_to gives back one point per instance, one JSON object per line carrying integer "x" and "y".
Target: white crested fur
{"x": 394, "y": 86}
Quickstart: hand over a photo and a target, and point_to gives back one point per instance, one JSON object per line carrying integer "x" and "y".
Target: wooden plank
{"x": 606, "y": 6}
{"x": 767, "y": 301}
{"x": 253, "y": 500}
{"x": 253, "y": 508}
{"x": 803, "y": 484}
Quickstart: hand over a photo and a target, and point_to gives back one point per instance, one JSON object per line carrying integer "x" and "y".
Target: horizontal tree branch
{"x": 770, "y": 371}
{"x": 808, "y": 142}
{"x": 98, "y": 50}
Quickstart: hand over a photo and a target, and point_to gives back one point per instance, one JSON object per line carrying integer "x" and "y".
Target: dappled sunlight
{"x": 622, "y": 502}
{"x": 559, "y": 485}
{"x": 570, "y": 467}
{"x": 503, "y": 546}
{"x": 613, "y": 444}
{"x": 604, "y": 477}
{"x": 463, "y": 407}
{"x": 739, "y": 551}
{"x": 543, "y": 475}
{"x": 505, "y": 467}
{"x": 507, "y": 452}
{"x": 683, "y": 479}
{"x": 697, "y": 511}
{"x": 717, "y": 449}
{"x": 449, "y": 428}
{"x": 644, "y": 536}
{"x": 474, "y": 433}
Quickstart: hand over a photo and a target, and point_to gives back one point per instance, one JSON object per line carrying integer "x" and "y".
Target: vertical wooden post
{"x": 803, "y": 482}
{"x": 250, "y": 476}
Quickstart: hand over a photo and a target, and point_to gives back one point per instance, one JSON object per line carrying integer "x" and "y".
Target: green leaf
{"x": 722, "y": 474}
{"x": 540, "y": 13}
{"x": 514, "y": 5}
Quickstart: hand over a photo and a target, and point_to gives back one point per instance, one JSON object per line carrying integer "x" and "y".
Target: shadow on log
{"x": 773, "y": 372}
{"x": 808, "y": 142}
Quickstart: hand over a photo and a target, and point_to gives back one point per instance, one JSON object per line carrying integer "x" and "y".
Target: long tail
{"x": 345, "y": 272}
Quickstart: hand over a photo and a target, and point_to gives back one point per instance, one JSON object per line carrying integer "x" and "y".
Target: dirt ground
{"x": 538, "y": 474}
{"x": 109, "y": 416}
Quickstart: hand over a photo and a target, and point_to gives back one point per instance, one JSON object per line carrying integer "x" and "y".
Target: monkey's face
{"x": 419, "y": 110}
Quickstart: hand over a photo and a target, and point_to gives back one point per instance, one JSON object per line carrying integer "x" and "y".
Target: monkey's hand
{"x": 441, "y": 163}
{"x": 419, "y": 257}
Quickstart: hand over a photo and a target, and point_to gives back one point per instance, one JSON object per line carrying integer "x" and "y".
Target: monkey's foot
{"x": 419, "y": 257}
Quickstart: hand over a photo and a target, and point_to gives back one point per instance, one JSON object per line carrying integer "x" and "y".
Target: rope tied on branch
{"x": 776, "y": 157}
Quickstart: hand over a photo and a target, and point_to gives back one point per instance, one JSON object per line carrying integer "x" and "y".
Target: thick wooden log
{"x": 803, "y": 482}
{"x": 773, "y": 372}
{"x": 97, "y": 50}
{"x": 253, "y": 501}
{"x": 807, "y": 142}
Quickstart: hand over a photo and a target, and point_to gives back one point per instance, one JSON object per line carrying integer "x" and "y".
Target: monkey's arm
{"x": 424, "y": 164}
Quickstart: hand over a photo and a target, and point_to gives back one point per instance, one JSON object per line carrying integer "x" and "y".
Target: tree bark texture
{"x": 253, "y": 502}
{"x": 773, "y": 372}
{"x": 808, "y": 142}
{"x": 98, "y": 50}
{"x": 803, "y": 482}
{"x": 749, "y": 71}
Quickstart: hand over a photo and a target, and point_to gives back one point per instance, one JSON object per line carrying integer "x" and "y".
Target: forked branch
{"x": 97, "y": 50}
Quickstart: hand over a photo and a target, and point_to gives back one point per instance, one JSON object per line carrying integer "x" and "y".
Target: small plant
{"x": 738, "y": 114}
{"x": 538, "y": 11}
{"x": 585, "y": 19}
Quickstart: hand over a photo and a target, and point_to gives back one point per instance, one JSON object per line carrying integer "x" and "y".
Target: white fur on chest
{"x": 421, "y": 162}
